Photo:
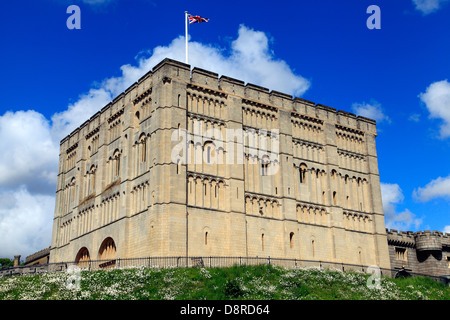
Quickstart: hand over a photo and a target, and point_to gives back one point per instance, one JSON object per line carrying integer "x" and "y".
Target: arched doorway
{"x": 107, "y": 253}
{"x": 402, "y": 273}
{"x": 83, "y": 258}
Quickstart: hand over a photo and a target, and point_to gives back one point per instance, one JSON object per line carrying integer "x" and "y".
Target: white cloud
{"x": 30, "y": 154}
{"x": 446, "y": 229}
{"x": 415, "y": 117}
{"x": 437, "y": 101}
{"x": 437, "y": 188}
{"x": 392, "y": 195}
{"x": 25, "y": 222}
{"x": 250, "y": 60}
{"x": 63, "y": 123}
{"x": 428, "y": 6}
{"x": 371, "y": 110}
{"x": 28, "y": 165}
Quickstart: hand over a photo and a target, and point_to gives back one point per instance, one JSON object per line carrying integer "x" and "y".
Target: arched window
{"x": 72, "y": 189}
{"x": 91, "y": 187}
{"x": 261, "y": 206}
{"x": 335, "y": 198}
{"x": 116, "y": 161}
{"x": 291, "y": 240}
{"x": 302, "y": 170}
{"x": 209, "y": 153}
{"x": 206, "y": 238}
{"x": 143, "y": 147}
{"x": 82, "y": 259}
{"x": 107, "y": 250}
{"x": 262, "y": 242}
{"x": 265, "y": 165}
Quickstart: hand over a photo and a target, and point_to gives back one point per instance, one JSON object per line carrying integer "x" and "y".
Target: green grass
{"x": 239, "y": 282}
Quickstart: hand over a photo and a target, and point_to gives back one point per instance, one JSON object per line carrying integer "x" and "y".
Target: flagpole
{"x": 186, "y": 35}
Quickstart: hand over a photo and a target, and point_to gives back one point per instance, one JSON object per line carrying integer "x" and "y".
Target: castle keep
{"x": 184, "y": 163}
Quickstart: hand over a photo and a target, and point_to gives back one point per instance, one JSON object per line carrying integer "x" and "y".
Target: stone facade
{"x": 184, "y": 163}
{"x": 422, "y": 252}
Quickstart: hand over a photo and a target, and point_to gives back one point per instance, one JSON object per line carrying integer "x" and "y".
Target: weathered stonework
{"x": 312, "y": 192}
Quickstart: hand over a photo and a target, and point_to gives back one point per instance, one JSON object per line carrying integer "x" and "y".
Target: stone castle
{"x": 184, "y": 163}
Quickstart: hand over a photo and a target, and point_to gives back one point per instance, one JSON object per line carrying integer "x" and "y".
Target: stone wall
{"x": 39, "y": 257}
{"x": 423, "y": 252}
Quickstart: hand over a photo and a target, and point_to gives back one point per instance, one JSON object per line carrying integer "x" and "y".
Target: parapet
{"x": 428, "y": 241}
{"x": 172, "y": 68}
{"x": 423, "y": 240}
{"x": 171, "y": 62}
{"x": 205, "y": 78}
{"x": 402, "y": 238}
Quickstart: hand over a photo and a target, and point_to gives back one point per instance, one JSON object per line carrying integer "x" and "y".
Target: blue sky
{"x": 54, "y": 78}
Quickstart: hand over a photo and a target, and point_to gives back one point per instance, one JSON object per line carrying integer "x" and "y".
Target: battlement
{"x": 168, "y": 69}
{"x": 403, "y": 238}
{"x": 423, "y": 240}
{"x": 429, "y": 241}
{"x": 433, "y": 233}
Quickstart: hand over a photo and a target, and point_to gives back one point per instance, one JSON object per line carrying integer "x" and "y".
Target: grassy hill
{"x": 240, "y": 282}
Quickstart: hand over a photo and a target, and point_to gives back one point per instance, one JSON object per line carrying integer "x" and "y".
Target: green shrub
{"x": 232, "y": 289}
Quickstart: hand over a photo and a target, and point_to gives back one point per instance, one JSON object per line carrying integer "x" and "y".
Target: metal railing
{"x": 196, "y": 261}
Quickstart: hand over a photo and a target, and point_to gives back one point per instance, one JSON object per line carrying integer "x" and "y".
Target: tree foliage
{"x": 6, "y": 262}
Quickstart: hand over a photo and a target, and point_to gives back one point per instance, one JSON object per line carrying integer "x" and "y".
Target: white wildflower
{"x": 205, "y": 273}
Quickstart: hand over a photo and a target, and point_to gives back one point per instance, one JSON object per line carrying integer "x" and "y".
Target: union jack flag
{"x": 196, "y": 19}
